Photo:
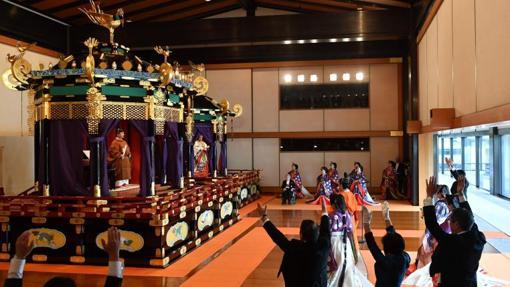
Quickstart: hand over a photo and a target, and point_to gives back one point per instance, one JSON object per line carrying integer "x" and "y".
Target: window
{"x": 485, "y": 163}
{"x": 326, "y": 144}
{"x": 505, "y": 165}
{"x": 440, "y": 156}
{"x": 447, "y": 151}
{"x": 470, "y": 159}
{"x": 457, "y": 152}
{"x": 324, "y": 96}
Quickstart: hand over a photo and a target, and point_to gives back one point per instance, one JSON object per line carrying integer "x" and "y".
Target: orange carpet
{"x": 234, "y": 265}
{"x": 179, "y": 268}
{"x": 264, "y": 199}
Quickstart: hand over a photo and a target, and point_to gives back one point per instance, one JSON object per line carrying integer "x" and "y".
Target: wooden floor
{"x": 249, "y": 258}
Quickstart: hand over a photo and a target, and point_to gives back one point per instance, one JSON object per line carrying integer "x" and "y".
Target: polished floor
{"x": 244, "y": 255}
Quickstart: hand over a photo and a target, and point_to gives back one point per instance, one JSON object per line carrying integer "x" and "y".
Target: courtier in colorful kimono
{"x": 359, "y": 185}
{"x": 200, "y": 149}
{"x": 119, "y": 157}
{"x": 301, "y": 191}
{"x": 324, "y": 187}
{"x": 343, "y": 257}
{"x": 334, "y": 175}
{"x": 389, "y": 182}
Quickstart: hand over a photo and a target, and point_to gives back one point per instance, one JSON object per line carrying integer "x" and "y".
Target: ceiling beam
{"x": 291, "y": 4}
{"x": 340, "y": 5}
{"x": 204, "y": 10}
{"x": 250, "y": 6}
{"x": 388, "y": 3}
{"x": 163, "y": 8}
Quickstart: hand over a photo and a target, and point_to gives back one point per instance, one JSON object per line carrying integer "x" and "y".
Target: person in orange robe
{"x": 119, "y": 157}
{"x": 352, "y": 207}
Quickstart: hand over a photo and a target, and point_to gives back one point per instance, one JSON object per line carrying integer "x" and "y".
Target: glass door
{"x": 485, "y": 163}
{"x": 505, "y": 164}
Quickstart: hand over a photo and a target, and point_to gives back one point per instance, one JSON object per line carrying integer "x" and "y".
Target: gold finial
{"x": 20, "y": 68}
{"x": 166, "y": 70}
{"x": 90, "y": 63}
{"x": 164, "y": 52}
{"x": 110, "y": 22}
{"x": 195, "y": 67}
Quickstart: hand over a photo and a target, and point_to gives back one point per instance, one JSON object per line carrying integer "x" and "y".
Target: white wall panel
{"x": 239, "y": 154}
{"x": 432, "y": 65}
{"x": 347, "y": 120}
{"x": 266, "y": 158}
{"x": 492, "y": 53}
{"x": 301, "y": 120}
{"x": 464, "y": 58}
{"x": 384, "y": 97}
{"x": 265, "y": 100}
{"x": 234, "y": 85}
{"x": 445, "y": 55}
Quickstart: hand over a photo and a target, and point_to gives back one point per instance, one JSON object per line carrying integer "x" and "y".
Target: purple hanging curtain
{"x": 105, "y": 126}
{"x": 173, "y": 161}
{"x": 147, "y": 166}
{"x": 160, "y": 158}
{"x": 65, "y": 157}
{"x": 223, "y": 155}
{"x": 206, "y": 130}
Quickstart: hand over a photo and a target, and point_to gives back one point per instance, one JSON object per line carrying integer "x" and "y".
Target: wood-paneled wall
{"x": 257, "y": 89}
{"x": 464, "y": 58}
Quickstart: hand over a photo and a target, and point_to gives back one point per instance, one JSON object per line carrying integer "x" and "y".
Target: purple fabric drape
{"x": 39, "y": 139}
{"x": 105, "y": 126}
{"x": 174, "y": 156}
{"x": 223, "y": 155}
{"x": 147, "y": 167}
{"x": 65, "y": 157}
{"x": 206, "y": 130}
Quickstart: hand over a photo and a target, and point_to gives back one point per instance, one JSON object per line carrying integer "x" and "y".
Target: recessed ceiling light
{"x": 346, "y": 76}
{"x": 360, "y": 76}
{"x": 301, "y": 78}
{"x": 333, "y": 77}
{"x": 286, "y": 42}
{"x": 287, "y": 78}
{"x": 359, "y": 9}
{"x": 345, "y": 39}
{"x": 359, "y": 39}
{"x": 313, "y": 78}
{"x": 314, "y": 41}
{"x": 301, "y": 41}
{"x": 333, "y": 40}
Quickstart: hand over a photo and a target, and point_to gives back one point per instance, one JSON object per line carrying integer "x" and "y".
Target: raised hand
{"x": 431, "y": 184}
{"x": 112, "y": 247}
{"x": 367, "y": 219}
{"x": 24, "y": 245}
{"x": 386, "y": 210}
{"x": 262, "y": 210}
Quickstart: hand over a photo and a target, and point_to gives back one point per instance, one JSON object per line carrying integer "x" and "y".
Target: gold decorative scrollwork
{"x": 95, "y": 109}
{"x": 200, "y": 85}
{"x": 20, "y": 67}
{"x": 31, "y": 112}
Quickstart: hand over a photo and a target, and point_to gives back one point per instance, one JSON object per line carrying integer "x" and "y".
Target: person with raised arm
{"x": 305, "y": 260}
{"x": 390, "y": 266}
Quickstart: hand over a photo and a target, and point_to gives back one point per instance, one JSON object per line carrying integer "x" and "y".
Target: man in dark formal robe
{"x": 305, "y": 261}
{"x": 457, "y": 255}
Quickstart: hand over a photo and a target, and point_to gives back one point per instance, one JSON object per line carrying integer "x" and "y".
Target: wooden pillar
{"x": 95, "y": 165}
{"x": 45, "y": 128}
